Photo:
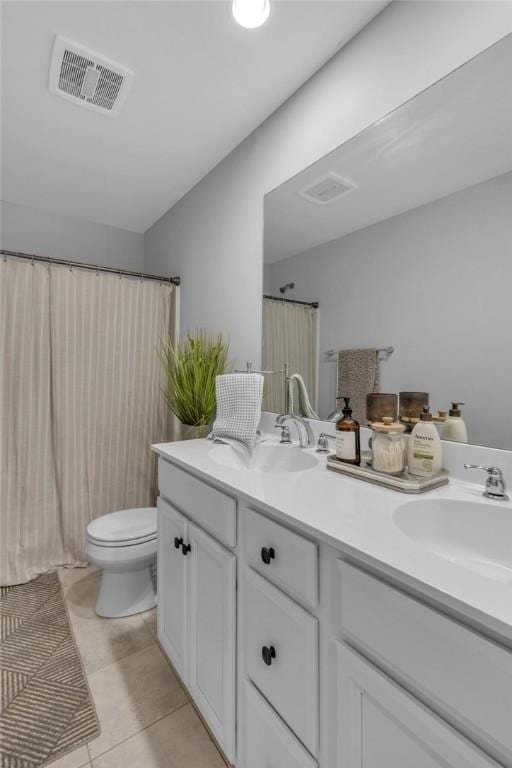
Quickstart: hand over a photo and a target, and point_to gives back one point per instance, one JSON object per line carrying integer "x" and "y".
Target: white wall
{"x": 213, "y": 237}
{"x": 30, "y": 230}
{"x": 267, "y": 279}
{"x": 433, "y": 282}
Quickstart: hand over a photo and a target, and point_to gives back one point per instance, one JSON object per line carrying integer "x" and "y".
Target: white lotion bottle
{"x": 454, "y": 427}
{"x": 425, "y": 449}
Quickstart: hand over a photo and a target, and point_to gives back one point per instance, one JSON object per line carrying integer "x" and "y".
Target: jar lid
{"x": 388, "y": 425}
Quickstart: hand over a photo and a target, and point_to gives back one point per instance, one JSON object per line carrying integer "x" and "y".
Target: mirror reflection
{"x": 388, "y": 266}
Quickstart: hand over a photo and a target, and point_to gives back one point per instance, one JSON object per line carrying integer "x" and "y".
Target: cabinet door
{"x": 382, "y": 726}
{"x": 212, "y": 600}
{"x": 172, "y": 586}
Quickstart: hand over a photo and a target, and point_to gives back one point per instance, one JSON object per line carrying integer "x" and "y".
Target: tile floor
{"x": 145, "y": 715}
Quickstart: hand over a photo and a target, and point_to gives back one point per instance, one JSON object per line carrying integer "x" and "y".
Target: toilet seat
{"x": 130, "y": 543}
{"x": 127, "y": 527}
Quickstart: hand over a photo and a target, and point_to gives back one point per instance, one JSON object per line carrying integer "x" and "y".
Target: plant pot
{"x": 191, "y": 432}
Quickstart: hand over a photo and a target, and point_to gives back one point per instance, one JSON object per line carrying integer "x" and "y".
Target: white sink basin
{"x": 475, "y": 535}
{"x": 266, "y": 457}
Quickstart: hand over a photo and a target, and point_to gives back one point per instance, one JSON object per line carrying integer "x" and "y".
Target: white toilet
{"x": 123, "y": 545}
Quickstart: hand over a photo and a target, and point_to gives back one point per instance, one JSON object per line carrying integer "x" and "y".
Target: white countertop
{"x": 357, "y": 518}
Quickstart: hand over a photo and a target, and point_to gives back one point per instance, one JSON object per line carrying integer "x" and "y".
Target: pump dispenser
{"x": 347, "y": 437}
{"x": 454, "y": 427}
{"x": 425, "y": 450}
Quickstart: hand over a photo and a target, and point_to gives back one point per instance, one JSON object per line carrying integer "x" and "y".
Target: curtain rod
{"x": 314, "y": 304}
{"x": 95, "y": 267}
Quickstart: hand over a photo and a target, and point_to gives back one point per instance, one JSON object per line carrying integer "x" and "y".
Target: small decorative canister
{"x": 388, "y": 446}
{"x": 380, "y": 404}
{"x": 411, "y": 407}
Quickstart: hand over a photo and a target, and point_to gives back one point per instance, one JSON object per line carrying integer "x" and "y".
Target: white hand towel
{"x": 238, "y": 408}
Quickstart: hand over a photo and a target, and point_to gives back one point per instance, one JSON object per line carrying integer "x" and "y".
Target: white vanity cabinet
{"x": 196, "y": 617}
{"x": 298, "y": 657}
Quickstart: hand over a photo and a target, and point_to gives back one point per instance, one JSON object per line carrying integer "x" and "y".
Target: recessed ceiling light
{"x": 251, "y": 13}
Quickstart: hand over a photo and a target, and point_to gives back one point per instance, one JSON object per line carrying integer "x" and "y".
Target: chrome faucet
{"x": 306, "y": 438}
{"x": 495, "y": 483}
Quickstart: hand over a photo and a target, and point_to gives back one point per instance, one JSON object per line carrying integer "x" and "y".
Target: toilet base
{"x": 124, "y": 593}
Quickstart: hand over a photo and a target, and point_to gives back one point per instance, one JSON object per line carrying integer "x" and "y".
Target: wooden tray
{"x": 404, "y": 482}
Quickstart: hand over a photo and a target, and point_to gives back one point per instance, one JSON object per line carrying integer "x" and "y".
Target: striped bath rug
{"x": 46, "y": 707}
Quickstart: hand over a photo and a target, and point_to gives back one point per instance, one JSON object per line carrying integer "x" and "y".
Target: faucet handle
{"x": 495, "y": 483}
{"x": 285, "y": 433}
{"x": 322, "y": 445}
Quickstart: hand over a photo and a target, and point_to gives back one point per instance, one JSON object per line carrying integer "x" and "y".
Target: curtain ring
{"x": 70, "y": 267}
{"x": 33, "y": 260}
{"x": 120, "y": 275}
{"x": 142, "y": 277}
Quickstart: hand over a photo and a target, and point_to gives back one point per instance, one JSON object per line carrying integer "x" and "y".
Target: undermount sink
{"x": 475, "y": 535}
{"x": 266, "y": 457}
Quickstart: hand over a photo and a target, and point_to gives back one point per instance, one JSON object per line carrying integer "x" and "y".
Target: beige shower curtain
{"x": 80, "y": 405}
{"x": 290, "y": 335}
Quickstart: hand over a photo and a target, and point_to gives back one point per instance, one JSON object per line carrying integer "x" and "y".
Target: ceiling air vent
{"x": 327, "y": 189}
{"x": 87, "y": 78}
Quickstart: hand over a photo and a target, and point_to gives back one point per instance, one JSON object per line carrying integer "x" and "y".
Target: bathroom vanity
{"x": 317, "y": 621}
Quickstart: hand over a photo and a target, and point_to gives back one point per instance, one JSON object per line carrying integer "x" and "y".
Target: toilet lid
{"x": 125, "y": 525}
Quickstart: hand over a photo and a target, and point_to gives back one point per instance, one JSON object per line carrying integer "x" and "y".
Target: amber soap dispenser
{"x": 348, "y": 444}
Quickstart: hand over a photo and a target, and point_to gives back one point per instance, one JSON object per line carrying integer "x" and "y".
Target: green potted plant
{"x": 190, "y": 368}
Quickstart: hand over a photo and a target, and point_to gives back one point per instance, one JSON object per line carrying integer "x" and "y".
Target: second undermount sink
{"x": 475, "y": 535}
{"x": 266, "y": 457}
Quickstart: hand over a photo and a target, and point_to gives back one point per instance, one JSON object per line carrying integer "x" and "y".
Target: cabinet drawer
{"x": 211, "y": 509}
{"x": 281, "y": 655}
{"x": 282, "y": 556}
{"x": 458, "y": 672}
{"x": 266, "y": 740}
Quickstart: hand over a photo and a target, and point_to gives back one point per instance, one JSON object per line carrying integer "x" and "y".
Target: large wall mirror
{"x": 388, "y": 263}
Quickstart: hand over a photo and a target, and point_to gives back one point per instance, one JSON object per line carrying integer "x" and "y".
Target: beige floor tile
{"x": 150, "y": 621}
{"x": 178, "y": 741}
{"x": 104, "y": 641}
{"x": 131, "y": 694}
{"x": 100, "y": 641}
{"x": 81, "y": 591}
{"x": 76, "y": 759}
{"x": 70, "y": 576}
